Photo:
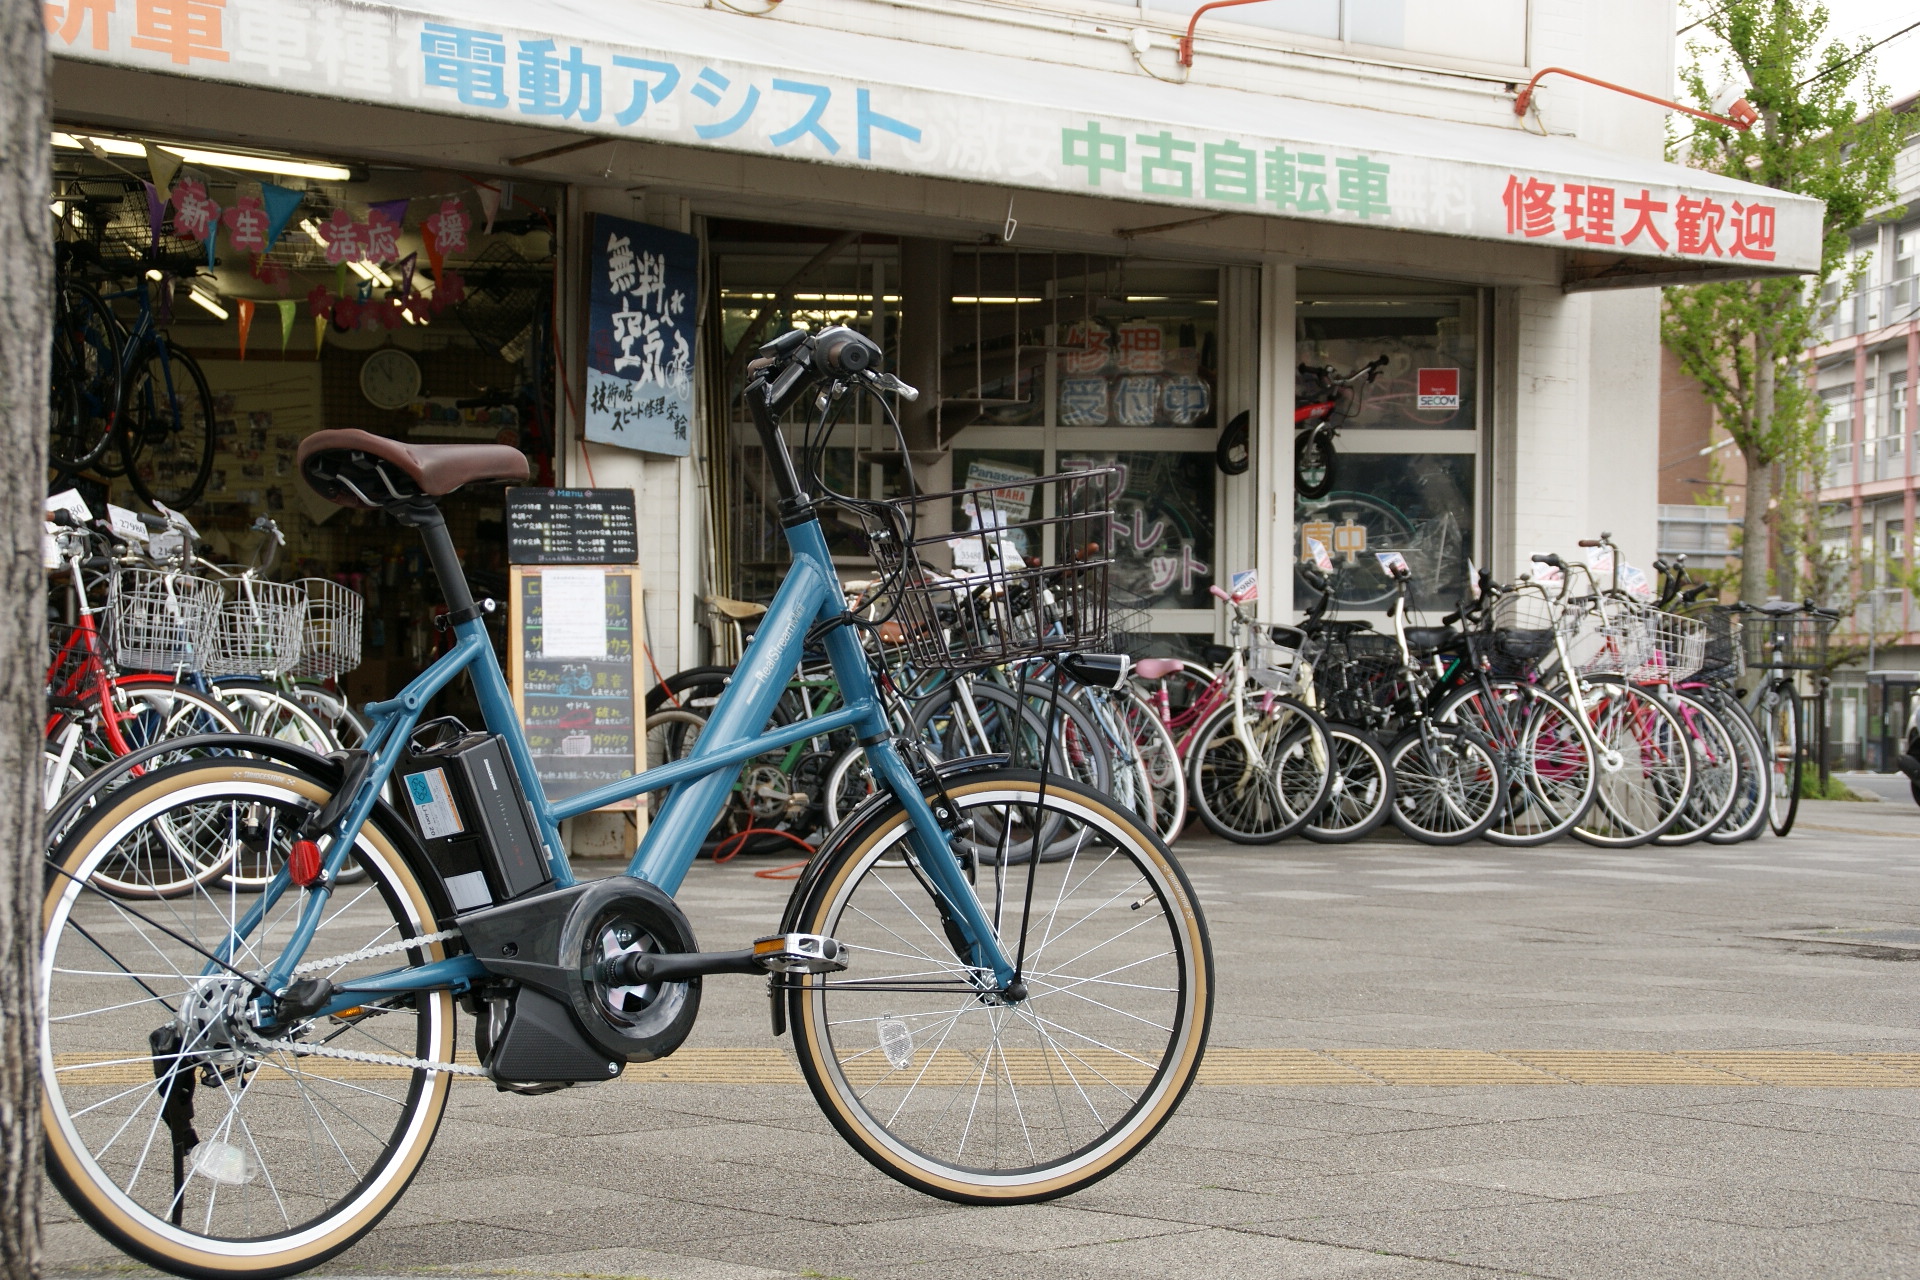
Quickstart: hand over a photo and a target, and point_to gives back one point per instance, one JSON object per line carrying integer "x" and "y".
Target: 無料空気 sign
{"x": 642, "y": 314}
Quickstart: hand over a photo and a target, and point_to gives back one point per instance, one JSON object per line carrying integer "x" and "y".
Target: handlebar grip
{"x": 64, "y": 518}
{"x": 1550, "y": 557}
{"x": 1451, "y": 618}
{"x": 153, "y": 522}
{"x": 1590, "y": 542}
{"x": 1693, "y": 592}
{"x": 1314, "y": 578}
{"x": 1219, "y": 594}
{"x": 1661, "y": 566}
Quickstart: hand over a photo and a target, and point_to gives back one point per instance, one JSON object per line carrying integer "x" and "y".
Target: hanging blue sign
{"x": 642, "y": 285}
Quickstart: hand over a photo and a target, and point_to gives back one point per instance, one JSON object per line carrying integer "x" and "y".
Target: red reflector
{"x": 303, "y": 862}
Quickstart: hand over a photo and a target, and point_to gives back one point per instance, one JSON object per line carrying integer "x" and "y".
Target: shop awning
{"x": 701, "y": 78}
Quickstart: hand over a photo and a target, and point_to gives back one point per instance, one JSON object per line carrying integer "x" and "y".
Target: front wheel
{"x": 1006, "y": 1096}
{"x": 1449, "y": 787}
{"x": 1781, "y": 723}
{"x": 1361, "y": 797}
{"x": 180, "y": 1133}
{"x": 1258, "y": 773}
{"x": 1314, "y": 464}
{"x": 166, "y": 426}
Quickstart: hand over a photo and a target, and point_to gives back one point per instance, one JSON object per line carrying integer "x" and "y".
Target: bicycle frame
{"x": 810, "y": 601}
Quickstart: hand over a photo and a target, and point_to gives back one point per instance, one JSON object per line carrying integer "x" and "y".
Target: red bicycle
{"x": 1323, "y": 402}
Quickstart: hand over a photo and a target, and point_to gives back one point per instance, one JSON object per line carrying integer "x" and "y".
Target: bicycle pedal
{"x": 799, "y": 953}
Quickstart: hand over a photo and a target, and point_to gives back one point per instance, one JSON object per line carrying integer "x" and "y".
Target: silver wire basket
{"x": 334, "y": 627}
{"x": 1676, "y": 647}
{"x": 258, "y": 629}
{"x": 161, "y": 619}
{"x": 1605, "y": 636}
{"x": 981, "y": 576}
{"x": 1274, "y": 656}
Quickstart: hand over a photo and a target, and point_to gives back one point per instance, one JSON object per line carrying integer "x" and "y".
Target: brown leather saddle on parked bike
{"x": 360, "y": 469}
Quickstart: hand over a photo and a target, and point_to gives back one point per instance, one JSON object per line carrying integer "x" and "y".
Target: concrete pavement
{"x": 1458, "y": 996}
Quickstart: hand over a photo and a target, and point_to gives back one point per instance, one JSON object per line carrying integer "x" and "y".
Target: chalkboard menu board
{"x": 573, "y": 674}
{"x": 571, "y": 526}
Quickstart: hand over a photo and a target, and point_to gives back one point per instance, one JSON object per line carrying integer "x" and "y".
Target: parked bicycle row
{"x": 1561, "y": 704}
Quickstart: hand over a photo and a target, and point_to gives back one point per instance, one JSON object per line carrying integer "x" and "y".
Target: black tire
{"x": 911, "y": 1112}
{"x": 1748, "y": 817}
{"x": 1783, "y": 729}
{"x": 1449, "y": 786}
{"x": 1270, "y": 794}
{"x": 85, "y": 378}
{"x": 1361, "y": 796}
{"x": 257, "y": 1105}
{"x": 167, "y": 446}
{"x": 1315, "y": 464}
{"x": 1716, "y": 771}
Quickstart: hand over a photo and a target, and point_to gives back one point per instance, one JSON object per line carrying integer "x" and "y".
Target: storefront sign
{"x": 927, "y": 110}
{"x": 642, "y": 309}
{"x": 571, "y": 526}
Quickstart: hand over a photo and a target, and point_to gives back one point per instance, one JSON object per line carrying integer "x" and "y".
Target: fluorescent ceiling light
{"x": 282, "y": 165}
{"x": 208, "y": 303}
{"x": 313, "y": 232}
{"x": 155, "y": 274}
{"x": 59, "y": 208}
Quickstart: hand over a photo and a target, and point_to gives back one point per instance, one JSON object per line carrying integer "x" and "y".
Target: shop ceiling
{"x": 1200, "y": 166}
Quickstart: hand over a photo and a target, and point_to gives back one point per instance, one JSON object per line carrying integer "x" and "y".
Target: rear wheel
{"x": 1646, "y": 766}
{"x": 1716, "y": 773}
{"x": 1753, "y": 790}
{"x": 166, "y": 426}
{"x": 986, "y": 1096}
{"x": 168, "y": 1127}
{"x": 84, "y": 378}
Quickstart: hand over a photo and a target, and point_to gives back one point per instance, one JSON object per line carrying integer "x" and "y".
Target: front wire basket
{"x": 1275, "y": 657}
{"x": 161, "y": 619}
{"x": 258, "y": 629}
{"x": 981, "y": 576}
{"x": 335, "y": 618}
{"x": 1798, "y": 640}
{"x": 1676, "y": 647}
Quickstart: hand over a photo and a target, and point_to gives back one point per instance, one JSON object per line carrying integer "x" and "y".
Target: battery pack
{"x": 473, "y": 820}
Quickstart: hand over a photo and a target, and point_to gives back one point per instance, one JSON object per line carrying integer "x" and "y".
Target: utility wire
{"x": 1847, "y": 62}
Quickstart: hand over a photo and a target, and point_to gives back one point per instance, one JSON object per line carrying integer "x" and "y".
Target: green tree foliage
{"x": 1824, "y": 131}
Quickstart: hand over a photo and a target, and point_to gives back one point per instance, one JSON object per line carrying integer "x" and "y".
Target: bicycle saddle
{"x": 1429, "y": 639}
{"x": 1157, "y": 668}
{"x": 1779, "y": 607}
{"x": 735, "y": 610}
{"x": 360, "y": 469}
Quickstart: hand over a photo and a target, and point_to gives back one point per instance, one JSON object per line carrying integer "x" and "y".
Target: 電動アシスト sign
{"x": 641, "y": 317}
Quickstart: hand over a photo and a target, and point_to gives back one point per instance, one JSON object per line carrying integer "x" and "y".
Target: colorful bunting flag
{"x": 489, "y": 202}
{"x": 280, "y": 204}
{"x": 163, "y": 165}
{"x": 155, "y": 208}
{"x": 243, "y": 312}
{"x": 287, "y": 307}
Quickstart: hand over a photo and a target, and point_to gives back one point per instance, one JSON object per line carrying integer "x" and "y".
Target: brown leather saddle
{"x": 360, "y": 469}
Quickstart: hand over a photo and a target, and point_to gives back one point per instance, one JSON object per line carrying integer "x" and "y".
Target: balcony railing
{"x": 1837, "y": 470}
{"x": 1695, "y": 531}
{"x": 1875, "y": 307}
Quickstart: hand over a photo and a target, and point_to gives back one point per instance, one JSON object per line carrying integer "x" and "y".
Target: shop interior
{"x": 414, "y": 304}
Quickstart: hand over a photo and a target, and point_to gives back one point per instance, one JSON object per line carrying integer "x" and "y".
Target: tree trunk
{"x": 1755, "y": 545}
{"x": 26, "y": 263}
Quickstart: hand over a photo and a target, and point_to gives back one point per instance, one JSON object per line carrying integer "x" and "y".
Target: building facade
{"x": 1084, "y": 249}
{"x": 1867, "y": 371}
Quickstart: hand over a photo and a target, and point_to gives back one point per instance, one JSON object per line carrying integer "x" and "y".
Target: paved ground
{"x": 1769, "y": 961}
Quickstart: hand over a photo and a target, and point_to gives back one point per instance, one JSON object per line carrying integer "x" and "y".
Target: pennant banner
{"x": 287, "y": 307}
{"x": 243, "y": 310}
{"x": 155, "y": 208}
{"x": 280, "y": 203}
{"x": 163, "y": 165}
{"x": 319, "y": 335}
{"x": 490, "y": 202}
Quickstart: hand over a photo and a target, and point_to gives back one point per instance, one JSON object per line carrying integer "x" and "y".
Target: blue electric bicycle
{"x": 998, "y": 981}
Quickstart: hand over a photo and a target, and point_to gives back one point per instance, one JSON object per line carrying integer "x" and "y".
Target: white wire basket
{"x": 258, "y": 629}
{"x": 161, "y": 619}
{"x": 334, "y": 626}
{"x": 1274, "y": 656}
{"x": 1676, "y": 647}
{"x": 1606, "y": 636}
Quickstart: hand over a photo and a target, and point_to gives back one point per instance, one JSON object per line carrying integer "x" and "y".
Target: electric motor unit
{"x": 472, "y": 818}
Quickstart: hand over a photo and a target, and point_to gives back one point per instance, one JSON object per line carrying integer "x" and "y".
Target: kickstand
{"x": 176, "y": 1107}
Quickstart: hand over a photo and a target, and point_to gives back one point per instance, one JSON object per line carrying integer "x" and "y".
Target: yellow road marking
{"x": 1395, "y": 1068}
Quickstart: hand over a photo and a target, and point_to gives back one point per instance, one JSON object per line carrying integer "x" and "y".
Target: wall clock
{"x": 390, "y": 378}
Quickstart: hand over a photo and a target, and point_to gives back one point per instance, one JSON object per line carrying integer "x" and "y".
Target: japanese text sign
{"x": 641, "y": 316}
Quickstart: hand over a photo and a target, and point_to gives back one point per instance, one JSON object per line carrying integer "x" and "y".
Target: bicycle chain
{"x": 256, "y": 1042}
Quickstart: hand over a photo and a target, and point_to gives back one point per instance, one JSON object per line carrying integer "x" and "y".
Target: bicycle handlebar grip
{"x": 840, "y": 352}
{"x": 64, "y": 518}
{"x": 1550, "y": 557}
{"x": 1451, "y": 618}
{"x": 1313, "y": 577}
{"x": 1589, "y": 542}
{"x": 156, "y": 523}
{"x": 1220, "y": 594}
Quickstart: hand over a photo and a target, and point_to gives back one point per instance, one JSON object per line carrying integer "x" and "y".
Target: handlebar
{"x": 1552, "y": 558}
